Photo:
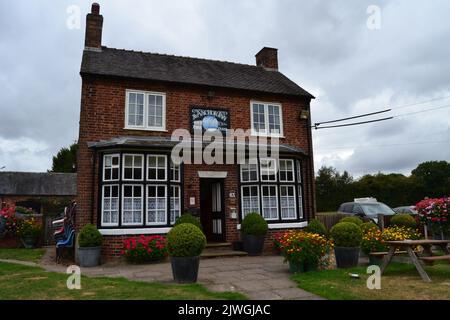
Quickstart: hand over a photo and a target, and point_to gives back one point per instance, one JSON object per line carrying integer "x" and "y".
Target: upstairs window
{"x": 145, "y": 110}
{"x": 266, "y": 119}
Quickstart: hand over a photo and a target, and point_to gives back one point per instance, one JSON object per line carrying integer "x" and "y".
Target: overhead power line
{"x": 353, "y": 124}
{"x": 354, "y": 117}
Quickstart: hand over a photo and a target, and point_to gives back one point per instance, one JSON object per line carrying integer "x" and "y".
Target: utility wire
{"x": 354, "y": 117}
{"x": 353, "y": 124}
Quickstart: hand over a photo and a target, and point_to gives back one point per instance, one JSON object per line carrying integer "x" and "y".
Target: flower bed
{"x": 374, "y": 240}
{"x": 145, "y": 249}
{"x": 300, "y": 247}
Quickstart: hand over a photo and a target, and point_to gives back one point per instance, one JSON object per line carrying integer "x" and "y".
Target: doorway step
{"x": 220, "y": 250}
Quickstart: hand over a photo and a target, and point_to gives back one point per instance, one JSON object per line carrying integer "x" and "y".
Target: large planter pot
{"x": 375, "y": 260}
{"x": 310, "y": 266}
{"x": 346, "y": 257}
{"x": 185, "y": 269}
{"x": 296, "y": 266}
{"x": 253, "y": 245}
{"x": 2, "y": 224}
{"x": 29, "y": 242}
{"x": 89, "y": 256}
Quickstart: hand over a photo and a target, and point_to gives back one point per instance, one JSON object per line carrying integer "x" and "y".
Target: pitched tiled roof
{"x": 168, "y": 68}
{"x": 38, "y": 184}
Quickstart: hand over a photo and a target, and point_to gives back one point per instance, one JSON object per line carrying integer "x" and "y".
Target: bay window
{"x": 110, "y": 205}
{"x": 156, "y": 204}
{"x": 269, "y": 202}
{"x": 132, "y": 200}
{"x": 250, "y": 199}
{"x": 132, "y": 166}
{"x": 287, "y": 202}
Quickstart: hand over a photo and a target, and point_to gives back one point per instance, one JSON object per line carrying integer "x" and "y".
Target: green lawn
{"x": 400, "y": 281}
{"x": 24, "y": 282}
{"x": 33, "y": 255}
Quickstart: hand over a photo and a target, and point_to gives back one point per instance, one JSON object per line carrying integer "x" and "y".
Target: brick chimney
{"x": 94, "y": 26}
{"x": 267, "y": 58}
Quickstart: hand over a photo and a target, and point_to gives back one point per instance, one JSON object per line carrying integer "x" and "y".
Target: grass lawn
{"x": 23, "y": 282}
{"x": 400, "y": 281}
{"x": 33, "y": 255}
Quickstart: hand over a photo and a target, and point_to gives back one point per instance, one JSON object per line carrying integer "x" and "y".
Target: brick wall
{"x": 102, "y": 116}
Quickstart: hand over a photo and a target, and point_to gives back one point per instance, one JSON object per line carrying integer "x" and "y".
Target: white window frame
{"x": 133, "y": 167}
{"x": 262, "y": 202}
{"x": 174, "y": 168}
{"x": 266, "y": 119}
{"x": 298, "y": 171}
{"x": 145, "y": 125}
{"x": 295, "y": 202}
{"x": 179, "y": 202}
{"x": 275, "y": 162}
{"x": 110, "y": 224}
{"x": 147, "y": 187}
{"x": 112, "y": 167}
{"x": 242, "y": 166}
{"x": 300, "y": 201}
{"x": 142, "y": 204}
{"x": 148, "y": 167}
{"x": 257, "y": 196}
{"x": 292, "y": 171}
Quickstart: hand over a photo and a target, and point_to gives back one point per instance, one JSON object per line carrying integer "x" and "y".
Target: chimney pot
{"x": 267, "y": 58}
{"x": 95, "y": 9}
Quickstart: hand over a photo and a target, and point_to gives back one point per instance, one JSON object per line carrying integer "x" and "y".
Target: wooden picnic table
{"x": 409, "y": 246}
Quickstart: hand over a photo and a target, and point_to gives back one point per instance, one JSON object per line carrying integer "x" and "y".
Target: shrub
{"x": 403, "y": 220}
{"x": 185, "y": 240}
{"x": 315, "y": 226}
{"x": 10, "y": 220}
{"x": 368, "y": 226}
{"x": 346, "y": 234}
{"x": 89, "y": 237}
{"x": 29, "y": 228}
{"x": 189, "y": 218}
{"x": 301, "y": 246}
{"x": 254, "y": 224}
{"x": 352, "y": 219}
{"x": 145, "y": 249}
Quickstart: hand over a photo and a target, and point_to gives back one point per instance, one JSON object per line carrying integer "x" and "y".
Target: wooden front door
{"x": 212, "y": 209}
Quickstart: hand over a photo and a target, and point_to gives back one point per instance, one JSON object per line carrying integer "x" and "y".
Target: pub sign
{"x": 210, "y": 119}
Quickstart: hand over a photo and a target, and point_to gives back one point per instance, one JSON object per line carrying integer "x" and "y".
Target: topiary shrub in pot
{"x": 403, "y": 220}
{"x": 315, "y": 226}
{"x": 352, "y": 219}
{"x": 254, "y": 229}
{"x": 185, "y": 242}
{"x": 189, "y": 218}
{"x": 347, "y": 238}
{"x": 90, "y": 246}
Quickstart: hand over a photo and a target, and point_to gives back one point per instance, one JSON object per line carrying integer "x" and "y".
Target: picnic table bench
{"x": 409, "y": 246}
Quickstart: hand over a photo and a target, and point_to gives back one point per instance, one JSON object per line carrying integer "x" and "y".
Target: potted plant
{"x": 23, "y": 213}
{"x": 145, "y": 249}
{"x": 434, "y": 213}
{"x": 316, "y": 226}
{"x": 303, "y": 250}
{"x": 254, "y": 229}
{"x": 189, "y": 218}
{"x": 372, "y": 242}
{"x": 29, "y": 232}
{"x": 185, "y": 242}
{"x": 90, "y": 246}
{"x": 347, "y": 238}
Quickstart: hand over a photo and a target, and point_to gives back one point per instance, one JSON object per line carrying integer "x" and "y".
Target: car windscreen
{"x": 371, "y": 209}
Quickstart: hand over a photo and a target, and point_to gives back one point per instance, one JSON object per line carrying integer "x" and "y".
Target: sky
{"x": 354, "y": 56}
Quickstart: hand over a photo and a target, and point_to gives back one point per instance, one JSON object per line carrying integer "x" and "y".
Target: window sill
{"x": 146, "y": 129}
{"x": 284, "y": 225}
{"x": 135, "y": 231}
{"x": 253, "y": 134}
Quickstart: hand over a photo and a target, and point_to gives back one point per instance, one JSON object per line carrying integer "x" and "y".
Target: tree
{"x": 433, "y": 178}
{"x": 66, "y": 159}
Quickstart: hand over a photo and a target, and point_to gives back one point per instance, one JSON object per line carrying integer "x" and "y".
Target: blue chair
{"x": 67, "y": 242}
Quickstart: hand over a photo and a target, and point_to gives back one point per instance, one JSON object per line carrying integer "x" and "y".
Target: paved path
{"x": 263, "y": 277}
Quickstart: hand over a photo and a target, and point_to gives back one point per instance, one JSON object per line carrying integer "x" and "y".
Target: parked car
{"x": 406, "y": 209}
{"x": 365, "y": 208}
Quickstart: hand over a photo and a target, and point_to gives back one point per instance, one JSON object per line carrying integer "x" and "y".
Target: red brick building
{"x": 132, "y": 102}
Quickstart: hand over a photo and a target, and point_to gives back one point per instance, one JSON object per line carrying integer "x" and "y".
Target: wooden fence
{"x": 329, "y": 219}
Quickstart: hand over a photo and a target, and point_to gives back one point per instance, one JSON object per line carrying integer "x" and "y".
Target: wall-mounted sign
{"x": 210, "y": 119}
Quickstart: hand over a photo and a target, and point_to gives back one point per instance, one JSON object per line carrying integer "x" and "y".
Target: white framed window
{"x": 299, "y": 171}
{"x": 266, "y": 118}
{"x": 268, "y": 169}
{"x": 249, "y": 172}
{"x": 300, "y": 202}
{"x": 174, "y": 172}
{"x": 269, "y": 202}
{"x": 110, "y": 205}
{"x": 287, "y": 202}
{"x": 286, "y": 170}
{"x": 250, "y": 199}
{"x": 132, "y": 204}
{"x": 156, "y": 167}
{"x": 111, "y": 167}
{"x": 145, "y": 110}
{"x": 133, "y": 167}
{"x": 175, "y": 203}
{"x": 156, "y": 204}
